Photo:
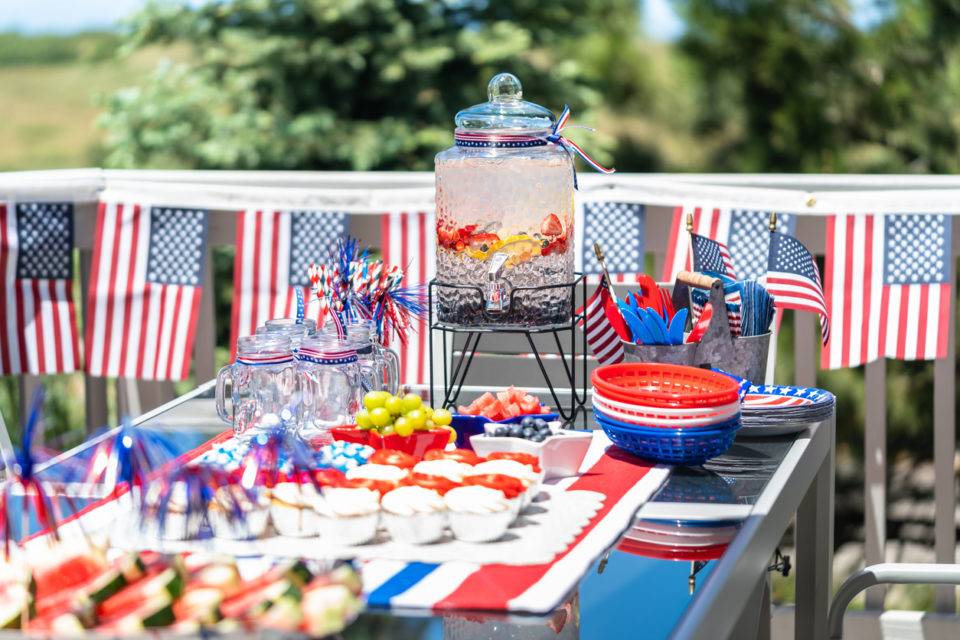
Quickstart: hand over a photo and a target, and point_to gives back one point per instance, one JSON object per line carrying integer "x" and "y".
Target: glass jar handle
{"x": 392, "y": 380}
{"x": 224, "y": 373}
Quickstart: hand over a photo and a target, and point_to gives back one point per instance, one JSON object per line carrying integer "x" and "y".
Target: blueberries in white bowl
{"x": 530, "y": 428}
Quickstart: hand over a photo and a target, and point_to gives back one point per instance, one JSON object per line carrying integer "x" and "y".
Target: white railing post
{"x": 944, "y": 447}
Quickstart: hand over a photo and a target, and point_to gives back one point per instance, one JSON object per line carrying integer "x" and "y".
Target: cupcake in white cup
{"x": 414, "y": 515}
{"x": 348, "y": 516}
{"x": 477, "y": 514}
{"x": 446, "y": 468}
{"x": 525, "y": 473}
{"x": 293, "y": 509}
{"x": 380, "y": 472}
{"x": 237, "y": 514}
{"x": 173, "y": 520}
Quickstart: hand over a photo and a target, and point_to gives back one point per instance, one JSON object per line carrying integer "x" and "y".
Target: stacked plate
{"x": 679, "y": 539}
{"x": 666, "y": 413}
{"x": 770, "y": 410}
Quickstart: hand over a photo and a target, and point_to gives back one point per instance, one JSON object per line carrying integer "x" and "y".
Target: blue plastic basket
{"x": 671, "y": 446}
{"x": 467, "y": 426}
{"x": 713, "y": 429}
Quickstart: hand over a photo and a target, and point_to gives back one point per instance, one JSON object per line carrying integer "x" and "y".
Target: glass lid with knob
{"x": 505, "y": 110}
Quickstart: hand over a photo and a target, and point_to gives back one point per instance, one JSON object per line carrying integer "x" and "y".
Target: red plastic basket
{"x": 667, "y": 552}
{"x": 664, "y": 385}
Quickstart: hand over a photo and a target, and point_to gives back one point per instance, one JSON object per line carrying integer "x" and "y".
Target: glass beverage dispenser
{"x": 504, "y": 215}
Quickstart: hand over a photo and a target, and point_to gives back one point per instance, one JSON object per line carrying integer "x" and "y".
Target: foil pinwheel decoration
{"x": 277, "y": 455}
{"x": 178, "y": 504}
{"x": 124, "y": 458}
{"x": 351, "y": 286}
{"x": 22, "y": 474}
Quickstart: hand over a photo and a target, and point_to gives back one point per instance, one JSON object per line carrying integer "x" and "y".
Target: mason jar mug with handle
{"x": 263, "y": 384}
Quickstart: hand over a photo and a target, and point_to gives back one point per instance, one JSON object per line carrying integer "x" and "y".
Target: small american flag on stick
{"x": 602, "y": 337}
{"x": 793, "y": 279}
{"x": 710, "y": 255}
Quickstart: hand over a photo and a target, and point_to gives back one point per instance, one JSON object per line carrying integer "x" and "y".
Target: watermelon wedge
{"x": 199, "y": 604}
{"x": 285, "y": 614}
{"x": 223, "y": 577}
{"x": 66, "y": 569}
{"x": 152, "y": 611}
{"x": 327, "y": 609}
{"x": 254, "y": 602}
{"x": 510, "y": 403}
{"x": 165, "y": 581}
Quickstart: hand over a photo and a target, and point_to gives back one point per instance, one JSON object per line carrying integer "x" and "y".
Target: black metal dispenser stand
{"x": 453, "y": 380}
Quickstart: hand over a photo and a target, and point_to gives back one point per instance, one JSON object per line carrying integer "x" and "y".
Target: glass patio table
{"x": 635, "y": 589}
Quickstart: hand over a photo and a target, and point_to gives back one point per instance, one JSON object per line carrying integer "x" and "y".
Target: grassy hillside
{"x": 49, "y": 92}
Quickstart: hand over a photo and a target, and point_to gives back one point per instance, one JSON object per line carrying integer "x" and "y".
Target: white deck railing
{"x": 812, "y": 197}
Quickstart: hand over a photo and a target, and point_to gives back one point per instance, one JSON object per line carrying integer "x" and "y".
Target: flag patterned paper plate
{"x": 771, "y": 410}
{"x": 773, "y": 396}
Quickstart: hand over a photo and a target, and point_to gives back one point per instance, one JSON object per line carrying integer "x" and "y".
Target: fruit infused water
{"x": 504, "y": 216}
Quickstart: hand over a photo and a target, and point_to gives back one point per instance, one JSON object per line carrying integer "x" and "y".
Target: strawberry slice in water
{"x": 551, "y": 225}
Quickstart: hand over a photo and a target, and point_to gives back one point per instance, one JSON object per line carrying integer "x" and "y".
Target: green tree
{"x": 794, "y": 85}
{"x": 342, "y": 84}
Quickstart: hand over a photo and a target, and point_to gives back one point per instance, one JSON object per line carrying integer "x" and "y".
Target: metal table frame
{"x": 725, "y": 605}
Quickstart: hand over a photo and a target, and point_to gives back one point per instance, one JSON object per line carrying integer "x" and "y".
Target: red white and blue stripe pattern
{"x": 793, "y": 279}
{"x": 532, "y": 588}
{"x": 556, "y": 138}
{"x": 745, "y": 233}
{"x": 466, "y": 138}
{"x": 888, "y": 287}
{"x": 602, "y": 336}
{"x": 710, "y": 255}
{"x": 265, "y": 359}
{"x": 274, "y": 250}
{"x": 38, "y": 319}
{"x": 463, "y": 138}
{"x": 145, "y": 288}
{"x": 345, "y": 356}
{"x": 408, "y": 240}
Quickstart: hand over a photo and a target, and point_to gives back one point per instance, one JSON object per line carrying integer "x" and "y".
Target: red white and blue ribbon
{"x": 338, "y": 324}
{"x": 265, "y": 359}
{"x": 301, "y": 311}
{"x": 476, "y": 139}
{"x": 344, "y": 356}
{"x": 556, "y": 138}
{"x": 497, "y": 141}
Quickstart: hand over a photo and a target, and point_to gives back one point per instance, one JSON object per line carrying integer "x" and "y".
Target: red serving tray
{"x": 416, "y": 444}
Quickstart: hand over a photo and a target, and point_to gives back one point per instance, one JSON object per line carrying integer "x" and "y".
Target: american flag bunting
{"x": 793, "y": 279}
{"x": 619, "y": 229}
{"x": 274, "y": 250}
{"x": 888, "y": 289}
{"x": 745, "y": 233}
{"x": 38, "y": 321}
{"x": 408, "y": 240}
{"x": 145, "y": 289}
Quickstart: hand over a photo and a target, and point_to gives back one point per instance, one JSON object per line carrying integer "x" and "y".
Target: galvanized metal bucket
{"x": 742, "y": 356}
